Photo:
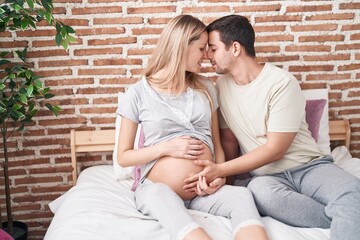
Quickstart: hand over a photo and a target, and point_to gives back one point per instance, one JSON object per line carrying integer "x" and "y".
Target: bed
{"x": 101, "y": 206}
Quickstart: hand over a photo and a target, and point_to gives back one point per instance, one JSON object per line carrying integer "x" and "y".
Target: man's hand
{"x": 210, "y": 172}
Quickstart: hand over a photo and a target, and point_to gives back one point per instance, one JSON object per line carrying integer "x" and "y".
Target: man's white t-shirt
{"x": 273, "y": 102}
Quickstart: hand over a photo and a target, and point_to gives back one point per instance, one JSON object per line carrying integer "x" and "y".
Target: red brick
{"x": 71, "y": 81}
{"x": 112, "y": 41}
{"x": 145, "y": 10}
{"x": 56, "y": 63}
{"x": 258, "y": 8}
{"x": 332, "y": 16}
{"x": 311, "y": 68}
{"x": 309, "y": 8}
{"x": 102, "y": 71}
{"x": 329, "y": 57}
{"x": 105, "y": 62}
{"x": 119, "y": 20}
{"x": 99, "y": 31}
{"x": 96, "y": 10}
{"x": 97, "y": 51}
{"x": 322, "y": 38}
{"x": 307, "y": 48}
{"x": 316, "y": 27}
{"x": 206, "y": 9}
{"x": 278, "y": 18}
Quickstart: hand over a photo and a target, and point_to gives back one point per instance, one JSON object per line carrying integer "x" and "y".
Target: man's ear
{"x": 236, "y": 48}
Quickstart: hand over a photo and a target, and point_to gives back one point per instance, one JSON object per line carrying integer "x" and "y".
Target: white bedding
{"x": 99, "y": 207}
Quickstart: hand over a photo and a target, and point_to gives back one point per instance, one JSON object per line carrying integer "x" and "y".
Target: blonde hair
{"x": 170, "y": 54}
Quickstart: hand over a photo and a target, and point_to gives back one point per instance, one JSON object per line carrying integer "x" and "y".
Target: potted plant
{"x": 22, "y": 93}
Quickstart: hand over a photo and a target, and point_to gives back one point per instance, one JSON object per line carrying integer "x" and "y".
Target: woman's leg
{"x": 161, "y": 203}
{"x": 237, "y": 204}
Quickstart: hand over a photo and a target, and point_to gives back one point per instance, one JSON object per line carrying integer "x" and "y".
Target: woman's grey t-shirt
{"x": 166, "y": 116}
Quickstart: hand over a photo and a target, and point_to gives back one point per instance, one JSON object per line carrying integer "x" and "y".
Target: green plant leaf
{"x": 16, "y": 106}
{"x": 17, "y": 22}
{"x": 30, "y": 90}
{"x": 46, "y": 5}
{"x": 20, "y": 2}
{"x": 16, "y": 7}
{"x": 49, "y": 95}
{"x": 12, "y": 85}
{"x": 23, "y": 98}
{"x": 71, "y": 39}
{"x": 30, "y": 3}
{"x": 48, "y": 17}
{"x": 65, "y": 44}
{"x": 58, "y": 39}
{"x": 69, "y": 29}
{"x": 2, "y": 86}
{"x": 22, "y": 54}
{"x": 38, "y": 84}
{"x": 4, "y": 61}
{"x": 46, "y": 90}
{"x": 16, "y": 115}
{"x": 24, "y": 24}
{"x": 3, "y": 53}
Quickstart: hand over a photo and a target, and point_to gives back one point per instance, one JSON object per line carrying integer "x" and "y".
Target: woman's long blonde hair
{"x": 170, "y": 53}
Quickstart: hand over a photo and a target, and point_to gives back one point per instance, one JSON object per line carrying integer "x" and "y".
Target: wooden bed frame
{"x": 104, "y": 140}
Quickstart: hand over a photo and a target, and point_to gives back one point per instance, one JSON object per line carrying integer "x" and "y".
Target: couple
{"x": 262, "y": 109}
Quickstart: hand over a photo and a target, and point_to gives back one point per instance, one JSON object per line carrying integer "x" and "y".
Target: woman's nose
{"x": 208, "y": 54}
{"x": 205, "y": 55}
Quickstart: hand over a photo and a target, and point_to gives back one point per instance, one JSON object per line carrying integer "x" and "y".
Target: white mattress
{"x": 99, "y": 207}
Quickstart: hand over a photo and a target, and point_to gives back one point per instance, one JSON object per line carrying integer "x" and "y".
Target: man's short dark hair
{"x": 235, "y": 28}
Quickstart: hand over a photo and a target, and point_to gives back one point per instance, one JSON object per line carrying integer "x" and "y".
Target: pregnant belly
{"x": 173, "y": 171}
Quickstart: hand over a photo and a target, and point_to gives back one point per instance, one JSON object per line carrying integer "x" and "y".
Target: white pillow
{"x": 343, "y": 159}
{"x": 324, "y": 138}
{"x": 119, "y": 171}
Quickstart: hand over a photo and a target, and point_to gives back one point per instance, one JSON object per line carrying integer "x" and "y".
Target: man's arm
{"x": 273, "y": 150}
{"x": 229, "y": 143}
{"x": 231, "y": 148}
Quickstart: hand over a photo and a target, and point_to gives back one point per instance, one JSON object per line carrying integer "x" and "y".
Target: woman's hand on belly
{"x": 182, "y": 147}
{"x": 173, "y": 171}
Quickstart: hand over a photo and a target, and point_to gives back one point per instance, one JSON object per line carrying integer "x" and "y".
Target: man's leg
{"x": 277, "y": 197}
{"x": 339, "y": 191}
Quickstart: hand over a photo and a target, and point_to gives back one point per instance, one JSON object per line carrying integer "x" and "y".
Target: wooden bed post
{"x": 73, "y": 156}
{"x": 89, "y": 141}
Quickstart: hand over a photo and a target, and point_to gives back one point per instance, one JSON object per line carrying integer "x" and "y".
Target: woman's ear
{"x": 236, "y": 47}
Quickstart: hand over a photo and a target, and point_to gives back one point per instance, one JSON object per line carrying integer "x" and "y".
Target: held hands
{"x": 183, "y": 147}
{"x": 202, "y": 188}
{"x": 198, "y": 182}
{"x": 211, "y": 171}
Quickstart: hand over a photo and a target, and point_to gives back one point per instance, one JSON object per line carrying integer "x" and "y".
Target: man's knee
{"x": 264, "y": 188}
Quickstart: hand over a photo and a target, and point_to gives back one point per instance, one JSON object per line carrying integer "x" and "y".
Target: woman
{"x": 177, "y": 110}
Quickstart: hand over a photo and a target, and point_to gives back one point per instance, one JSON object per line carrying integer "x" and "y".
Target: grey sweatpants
{"x": 161, "y": 203}
{"x": 317, "y": 194}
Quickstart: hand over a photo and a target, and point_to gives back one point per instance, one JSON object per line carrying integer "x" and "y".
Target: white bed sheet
{"x": 100, "y": 207}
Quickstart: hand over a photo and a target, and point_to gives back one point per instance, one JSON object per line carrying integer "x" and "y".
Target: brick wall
{"x": 317, "y": 41}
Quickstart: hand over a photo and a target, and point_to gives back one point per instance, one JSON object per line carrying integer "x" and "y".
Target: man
{"x": 263, "y": 111}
